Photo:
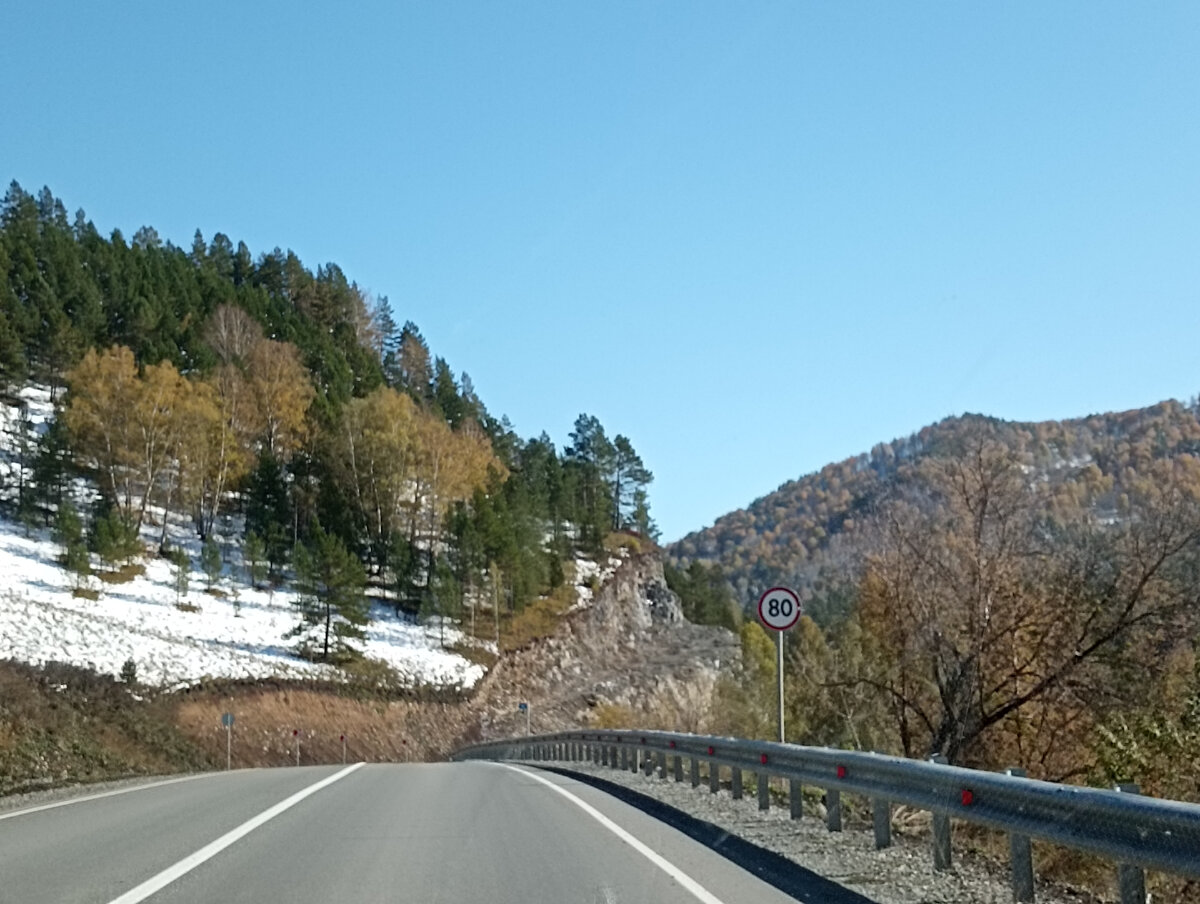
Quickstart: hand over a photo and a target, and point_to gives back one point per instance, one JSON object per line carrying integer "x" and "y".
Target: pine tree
{"x": 68, "y": 533}
{"x": 113, "y": 538}
{"x": 210, "y": 562}
{"x": 254, "y": 554}
{"x": 181, "y": 565}
{"x": 330, "y": 583}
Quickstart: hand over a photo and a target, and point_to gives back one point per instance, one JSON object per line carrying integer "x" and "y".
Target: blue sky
{"x": 754, "y": 237}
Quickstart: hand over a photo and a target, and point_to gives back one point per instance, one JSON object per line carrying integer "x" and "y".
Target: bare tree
{"x": 232, "y": 334}
{"x": 1000, "y": 611}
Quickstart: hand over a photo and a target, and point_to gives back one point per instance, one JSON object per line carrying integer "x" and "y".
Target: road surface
{"x": 429, "y": 834}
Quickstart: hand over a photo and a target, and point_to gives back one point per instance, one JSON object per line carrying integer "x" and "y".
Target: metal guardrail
{"x": 1134, "y": 831}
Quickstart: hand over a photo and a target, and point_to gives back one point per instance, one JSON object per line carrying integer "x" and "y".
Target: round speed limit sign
{"x": 779, "y": 608}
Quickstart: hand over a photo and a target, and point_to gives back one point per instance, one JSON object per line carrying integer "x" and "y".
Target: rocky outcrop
{"x": 628, "y": 650}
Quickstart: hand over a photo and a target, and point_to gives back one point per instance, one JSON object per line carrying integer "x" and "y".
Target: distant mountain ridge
{"x": 803, "y": 534}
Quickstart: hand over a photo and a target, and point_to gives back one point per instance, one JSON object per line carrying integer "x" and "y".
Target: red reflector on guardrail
{"x": 710, "y": 751}
{"x": 968, "y": 798}
{"x": 841, "y": 772}
{"x": 672, "y": 745}
{"x": 643, "y": 740}
{"x": 763, "y": 758}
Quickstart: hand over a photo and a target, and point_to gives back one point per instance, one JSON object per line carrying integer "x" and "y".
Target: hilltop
{"x": 807, "y": 532}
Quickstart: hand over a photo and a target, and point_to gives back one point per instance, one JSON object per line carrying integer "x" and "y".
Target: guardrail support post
{"x": 833, "y": 809}
{"x": 612, "y": 757}
{"x": 714, "y": 776}
{"x": 604, "y": 755}
{"x": 624, "y": 759}
{"x": 764, "y": 791}
{"x": 1020, "y": 857}
{"x": 678, "y": 768}
{"x": 662, "y": 765}
{"x": 633, "y": 759}
{"x": 1131, "y": 880}
{"x": 881, "y": 814}
{"x": 941, "y": 830}
{"x": 695, "y": 772}
{"x": 737, "y": 782}
{"x": 648, "y": 763}
{"x": 795, "y": 798}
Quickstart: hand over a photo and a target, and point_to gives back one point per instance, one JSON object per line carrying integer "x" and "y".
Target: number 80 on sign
{"x": 779, "y": 608}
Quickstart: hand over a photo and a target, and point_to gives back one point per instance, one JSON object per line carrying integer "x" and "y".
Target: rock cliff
{"x": 627, "y": 652}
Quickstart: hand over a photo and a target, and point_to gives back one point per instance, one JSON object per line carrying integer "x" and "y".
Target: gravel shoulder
{"x": 12, "y": 802}
{"x": 900, "y": 874}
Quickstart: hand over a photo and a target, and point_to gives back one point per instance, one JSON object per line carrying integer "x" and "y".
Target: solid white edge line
{"x": 189, "y": 863}
{"x": 695, "y": 888}
{"x": 115, "y": 792}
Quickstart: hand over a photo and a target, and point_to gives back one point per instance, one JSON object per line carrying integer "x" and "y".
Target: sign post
{"x": 523, "y": 707}
{"x": 343, "y": 750}
{"x": 779, "y": 609}
{"x": 227, "y": 721}
{"x": 296, "y": 735}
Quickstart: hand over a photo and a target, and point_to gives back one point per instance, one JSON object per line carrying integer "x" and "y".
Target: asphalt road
{"x": 430, "y": 834}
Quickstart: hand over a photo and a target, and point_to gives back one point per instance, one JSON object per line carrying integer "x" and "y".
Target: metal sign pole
{"x": 227, "y": 721}
{"x": 779, "y": 673}
{"x": 779, "y": 609}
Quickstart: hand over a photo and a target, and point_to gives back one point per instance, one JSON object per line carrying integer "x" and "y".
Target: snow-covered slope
{"x": 232, "y": 637}
{"x": 40, "y": 620}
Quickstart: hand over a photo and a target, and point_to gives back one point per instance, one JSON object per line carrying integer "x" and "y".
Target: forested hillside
{"x": 224, "y": 387}
{"x": 999, "y": 593}
{"x": 802, "y": 531}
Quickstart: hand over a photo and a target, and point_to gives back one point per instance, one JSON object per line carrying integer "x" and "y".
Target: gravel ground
{"x": 901, "y": 874}
{"x": 67, "y": 792}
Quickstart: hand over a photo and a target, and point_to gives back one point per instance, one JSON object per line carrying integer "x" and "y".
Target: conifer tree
{"x": 330, "y": 583}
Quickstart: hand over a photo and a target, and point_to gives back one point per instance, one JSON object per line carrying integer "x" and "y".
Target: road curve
{"x": 433, "y": 834}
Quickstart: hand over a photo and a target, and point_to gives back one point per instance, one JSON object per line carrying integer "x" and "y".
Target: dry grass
{"x": 537, "y": 620}
{"x": 375, "y": 730}
{"x": 122, "y": 575}
{"x": 60, "y": 724}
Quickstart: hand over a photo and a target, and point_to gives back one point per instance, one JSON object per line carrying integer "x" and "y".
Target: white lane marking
{"x": 697, "y": 890}
{"x": 189, "y": 863}
{"x": 87, "y": 797}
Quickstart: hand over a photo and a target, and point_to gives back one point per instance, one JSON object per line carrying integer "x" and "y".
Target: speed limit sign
{"x": 779, "y": 608}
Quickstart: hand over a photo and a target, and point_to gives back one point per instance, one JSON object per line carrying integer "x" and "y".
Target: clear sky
{"x": 754, "y": 237}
